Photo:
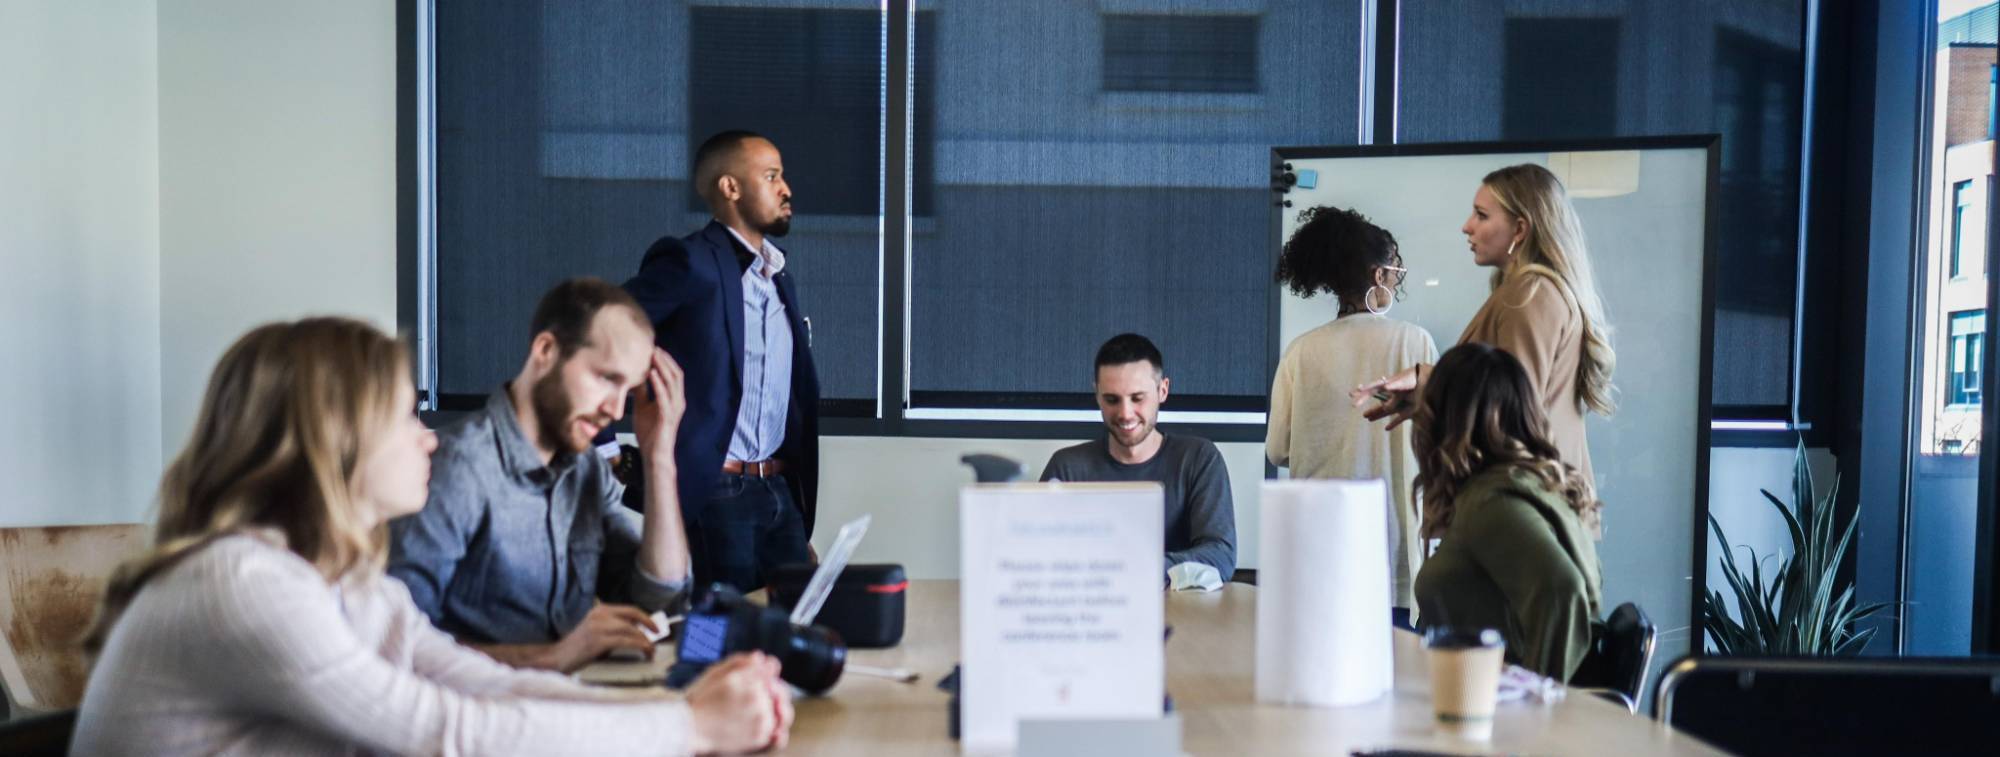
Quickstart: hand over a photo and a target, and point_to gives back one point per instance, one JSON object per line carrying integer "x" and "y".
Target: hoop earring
{"x": 1368, "y": 300}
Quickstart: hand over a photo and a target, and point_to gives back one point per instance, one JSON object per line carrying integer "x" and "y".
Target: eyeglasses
{"x": 1399, "y": 271}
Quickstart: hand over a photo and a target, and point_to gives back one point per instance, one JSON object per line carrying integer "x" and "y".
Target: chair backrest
{"x": 1629, "y": 639}
{"x": 53, "y": 579}
{"x": 1819, "y": 705}
{"x": 1620, "y": 655}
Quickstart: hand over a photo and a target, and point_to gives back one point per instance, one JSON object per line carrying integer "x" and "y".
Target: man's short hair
{"x": 568, "y": 309}
{"x": 1129, "y": 348}
{"x": 714, "y": 153}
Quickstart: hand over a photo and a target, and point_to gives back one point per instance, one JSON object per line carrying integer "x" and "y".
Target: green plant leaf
{"x": 1801, "y": 606}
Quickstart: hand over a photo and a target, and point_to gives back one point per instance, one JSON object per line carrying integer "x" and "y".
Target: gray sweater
{"x": 1201, "y": 518}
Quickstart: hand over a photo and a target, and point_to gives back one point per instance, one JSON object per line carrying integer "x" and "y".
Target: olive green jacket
{"x": 1518, "y": 559}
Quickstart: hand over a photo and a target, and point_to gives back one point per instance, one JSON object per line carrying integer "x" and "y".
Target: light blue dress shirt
{"x": 767, "y": 358}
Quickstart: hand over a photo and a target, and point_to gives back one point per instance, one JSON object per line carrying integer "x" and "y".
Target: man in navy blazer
{"x": 724, "y": 306}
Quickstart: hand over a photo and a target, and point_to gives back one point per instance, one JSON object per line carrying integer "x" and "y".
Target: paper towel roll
{"x": 1323, "y": 634}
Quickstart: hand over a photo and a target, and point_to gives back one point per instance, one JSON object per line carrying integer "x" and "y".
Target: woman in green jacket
{"x": 1513, "y": 521}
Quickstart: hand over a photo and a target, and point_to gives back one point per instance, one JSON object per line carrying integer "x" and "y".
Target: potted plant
{"x": 1804, "y": 609}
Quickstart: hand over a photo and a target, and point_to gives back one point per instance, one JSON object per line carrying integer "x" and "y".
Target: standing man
{"x": 1131, "y": 384}
{"x": 722, "y": 303}
{"x": 524, "y": 550}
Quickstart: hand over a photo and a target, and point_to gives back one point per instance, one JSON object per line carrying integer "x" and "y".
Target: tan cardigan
{"x": 1533, "y": 317}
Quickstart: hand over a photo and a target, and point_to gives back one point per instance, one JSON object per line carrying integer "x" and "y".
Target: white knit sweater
{"x": 1316, "y": 431}
{"x": 243, "y": 648}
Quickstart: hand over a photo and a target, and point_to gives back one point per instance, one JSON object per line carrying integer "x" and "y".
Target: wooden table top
{"x": 1210, "y": 664}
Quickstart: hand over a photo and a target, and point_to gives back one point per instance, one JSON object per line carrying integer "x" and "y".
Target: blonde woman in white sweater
{"x": 1314, "y": 430}
{"x": 262, "y": 622}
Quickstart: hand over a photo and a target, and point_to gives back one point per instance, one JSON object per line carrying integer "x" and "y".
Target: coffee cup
{"x": 1465, "y": 679}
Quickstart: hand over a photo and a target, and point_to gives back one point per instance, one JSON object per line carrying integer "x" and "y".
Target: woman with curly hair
{"x": 1311, "y": 430}
{"x": 1513, "y": 520}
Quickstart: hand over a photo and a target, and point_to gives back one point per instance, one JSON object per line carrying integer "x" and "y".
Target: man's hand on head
{"x": 658, "y": 410}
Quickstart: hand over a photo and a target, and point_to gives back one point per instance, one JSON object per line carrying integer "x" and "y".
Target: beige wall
{"x": 79, "y": 234}
{"x": 277, "y": 175}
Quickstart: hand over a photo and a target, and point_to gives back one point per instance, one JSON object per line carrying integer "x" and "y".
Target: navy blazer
{"x": 692, "y": 290}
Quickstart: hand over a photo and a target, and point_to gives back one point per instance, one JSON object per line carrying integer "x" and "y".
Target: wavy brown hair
{"x": 279, "y": 435}
{"x": 1479, "y": 410}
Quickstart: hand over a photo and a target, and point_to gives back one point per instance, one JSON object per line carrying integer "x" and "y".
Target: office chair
{"x": 51, "y": 579}
{"x": 1621, "y": 651}
{"x": 1821, "y": 705}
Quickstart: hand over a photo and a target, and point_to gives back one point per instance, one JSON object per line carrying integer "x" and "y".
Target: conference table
{"x": 1210, "y": 663}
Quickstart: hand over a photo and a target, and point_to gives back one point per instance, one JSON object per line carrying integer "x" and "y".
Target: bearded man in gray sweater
{"x": 1131, "y": 384}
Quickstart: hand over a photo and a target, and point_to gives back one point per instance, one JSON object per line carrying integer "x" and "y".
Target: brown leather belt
{"x": 759, "y": 468}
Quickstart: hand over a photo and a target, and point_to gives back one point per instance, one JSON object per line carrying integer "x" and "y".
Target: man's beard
{"x": 778, "y": 227}
{"x": 552, "y": 412}
{"x": 1146, "y": 426}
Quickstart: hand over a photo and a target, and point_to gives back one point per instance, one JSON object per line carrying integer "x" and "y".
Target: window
{"x": 1056, "y": 196}
{"x": 809, "y": 78}
{"x": 564, "y": 136}
{"x": 1968, "y": 342}
{"x": 1576, "y": 69}
{"x": 1961, "y": 201}
{"x": 1562, "y": 76}
{"x": 1067, "y": 214}
{"x": 1180, "y": 53}
{"x": 1945, "y": 417}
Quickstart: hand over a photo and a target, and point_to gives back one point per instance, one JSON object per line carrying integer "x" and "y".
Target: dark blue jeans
{"x": 748, "y": 527}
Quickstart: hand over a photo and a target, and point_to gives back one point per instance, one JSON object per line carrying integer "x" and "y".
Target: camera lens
{"x": 812, "y": 657}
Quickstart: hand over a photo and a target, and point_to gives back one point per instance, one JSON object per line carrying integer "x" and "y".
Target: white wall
{"x": 277, "y": 128}
{"x": 79, "y": 234}
{"x": 910, "y": 486}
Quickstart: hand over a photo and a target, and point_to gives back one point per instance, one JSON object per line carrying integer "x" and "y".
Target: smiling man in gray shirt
{"x": 1131, "y": 384}
{"x": 524, "y": 550}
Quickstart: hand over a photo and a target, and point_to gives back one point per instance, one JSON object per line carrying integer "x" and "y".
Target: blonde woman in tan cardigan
{"x": 1544, "y": 309}
{"x": 1311, "y": 431}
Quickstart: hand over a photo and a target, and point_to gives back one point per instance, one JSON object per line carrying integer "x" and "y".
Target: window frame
{"x": 1959, "y": 355}
{"x": 1955, "y": 260}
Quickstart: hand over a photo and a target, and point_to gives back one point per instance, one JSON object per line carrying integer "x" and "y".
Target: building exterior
{"x": 1954, "y": 271}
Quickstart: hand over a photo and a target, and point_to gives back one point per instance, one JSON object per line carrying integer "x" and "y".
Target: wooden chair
{"x": 53, "y": 579}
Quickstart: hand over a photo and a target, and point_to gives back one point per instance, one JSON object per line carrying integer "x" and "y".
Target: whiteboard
{"x": 1644, "y": 205}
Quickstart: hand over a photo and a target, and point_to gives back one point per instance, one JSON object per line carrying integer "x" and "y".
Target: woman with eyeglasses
{"x": 1311, "y": 430}
{"x": 1544, "y": 309}
{"x": 262, "y": 622}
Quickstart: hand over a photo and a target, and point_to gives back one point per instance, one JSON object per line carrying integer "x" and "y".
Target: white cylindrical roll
{"x": 1323, "y": 633}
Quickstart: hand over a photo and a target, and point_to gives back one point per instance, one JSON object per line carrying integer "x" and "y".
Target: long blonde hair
{"x": 1555, "y": 248}
{"x": 281, "y": 430}
{"x": 1479, "y": 411}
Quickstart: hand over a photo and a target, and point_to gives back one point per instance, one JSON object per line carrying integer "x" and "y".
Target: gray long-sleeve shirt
{"x": 1201, "y": 517}
{"x": 511, "y": 551}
